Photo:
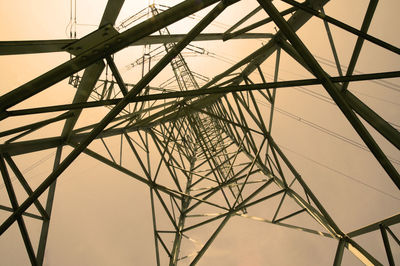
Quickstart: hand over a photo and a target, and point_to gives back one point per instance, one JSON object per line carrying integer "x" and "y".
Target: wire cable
{"x": 357, "y": 180}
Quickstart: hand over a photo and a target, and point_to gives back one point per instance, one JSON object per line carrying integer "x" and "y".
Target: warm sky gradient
{"x": 101, "y": 217}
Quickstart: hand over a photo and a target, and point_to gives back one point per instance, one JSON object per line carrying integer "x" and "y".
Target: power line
{"x": 326, "y": 131}
{"x": 340, "y": 173}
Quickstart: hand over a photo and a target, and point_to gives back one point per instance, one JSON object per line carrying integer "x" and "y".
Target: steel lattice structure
{"x": 204, "y": 149}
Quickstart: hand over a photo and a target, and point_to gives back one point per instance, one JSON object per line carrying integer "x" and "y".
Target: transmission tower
{"x": 204, "y": 148}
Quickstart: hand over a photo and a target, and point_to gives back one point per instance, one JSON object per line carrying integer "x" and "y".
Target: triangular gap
{"x": 35, "y": 167}
{"x": 136, "y": 154}
{"x": 290, "y": 68}
{"x": 166, "y": 210}
{"x": 50, "y": 127}
{"x": 37, "y": 208}
{"x": 199, "y": 233}
{"x": 241, "y": 100}
{"x": 165, "y": 244}
{"x": 13, "y": 250}
{"x": 202, "y": 210}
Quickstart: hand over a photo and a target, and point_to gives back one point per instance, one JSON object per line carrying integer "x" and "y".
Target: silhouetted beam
{"x": 211, "y": 90}
{"x": 233, "y": 35}
{"x": 375, "y": 226}
{"x": 49, "y": 46}
{"x": 33, "y": 47}
{"x": 23, "y": 147}
{"x": 111, "y": 12}
{"x": 36, "y": 125}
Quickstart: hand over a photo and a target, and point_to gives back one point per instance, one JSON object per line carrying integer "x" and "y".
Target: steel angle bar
{"x": 332, "y": 44}
{"x": 343, "y": 26}
{"x": 290, "y": 215}
{"x": 361, "y": 253}
{"x": 117, "y": 75}
{"x": 208, "y": 157}
{"x": 393, "y": 235}
{"x": 357, "y": 49}
{"x": 27, "y": 214}
{"x": 244, "y": 30}
{"x": 33, "y": 47}
{"x": 23, "y": 147}
{"x": 265, "y": 198}
{"x": 154, "y": 220}
{"x": 332, "y": 91}
{"x": 244, "y": 19}
{"x": 137, "y": 156}
{"x": 49, "y": 208}
{"x": 375, "y": 226}
{"x": 253, "y": 163}
{"x": 303, "y": 229}
{"x": 252, "y": 195}
{"x": 111, "y": 12}
{"x": 377, "y": 122}
{"x": 339, "y": 253}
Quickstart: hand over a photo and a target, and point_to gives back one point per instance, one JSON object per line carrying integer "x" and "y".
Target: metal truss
{"x": 206, "y": 151}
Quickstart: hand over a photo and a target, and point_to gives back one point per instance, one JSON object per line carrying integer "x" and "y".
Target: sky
{"x": 102, "y": 217}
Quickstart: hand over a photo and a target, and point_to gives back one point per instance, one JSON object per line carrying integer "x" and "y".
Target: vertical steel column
{"x": 387, "y": 244}
{"x": 49, "y": 207}
{"x": 184, "y": 207}
{"x": 339, "y": 252}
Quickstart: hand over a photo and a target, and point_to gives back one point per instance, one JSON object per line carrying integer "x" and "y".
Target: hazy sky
{"x": 103, "y": 217}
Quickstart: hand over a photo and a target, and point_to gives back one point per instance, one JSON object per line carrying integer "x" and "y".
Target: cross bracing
{"x": 205, "y": 149}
